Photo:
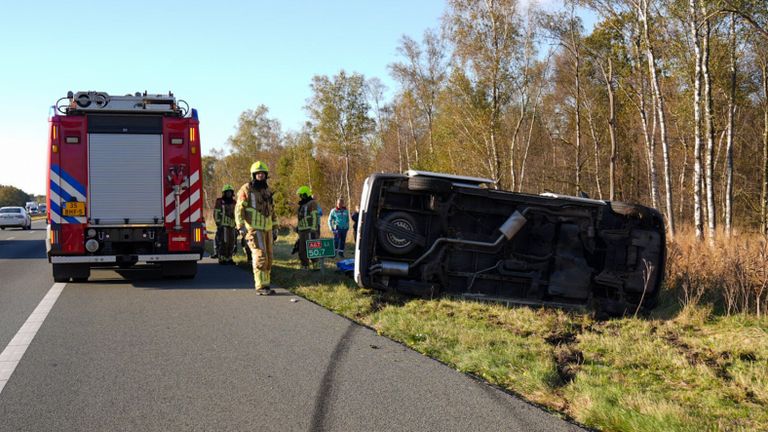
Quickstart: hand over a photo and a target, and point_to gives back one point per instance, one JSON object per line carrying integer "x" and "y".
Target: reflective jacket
{"x": 224, "y": 213}
{"x": 255, "y": 208}
{"x": 338, "y": 219}
{"x": 309, "y": 220}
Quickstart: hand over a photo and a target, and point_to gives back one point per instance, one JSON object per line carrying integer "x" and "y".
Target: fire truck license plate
{"x": 74, "y": 209}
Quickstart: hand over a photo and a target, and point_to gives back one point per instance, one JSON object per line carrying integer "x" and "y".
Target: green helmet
{"x": 304, "y": 190}
{"x": 259, "y": 166}
{"x": 227, "y": 187}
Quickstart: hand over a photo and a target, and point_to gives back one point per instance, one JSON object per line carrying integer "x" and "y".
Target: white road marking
{"x": 11, "y": 238}
{"x": 12, "y": 354}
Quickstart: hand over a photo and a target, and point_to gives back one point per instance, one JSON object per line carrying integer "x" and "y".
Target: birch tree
{"x": 339, "y": 112}
{"x": 423, "y": 72}
{"x": 485, "y": 39}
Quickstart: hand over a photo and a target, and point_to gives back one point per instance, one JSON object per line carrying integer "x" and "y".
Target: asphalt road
{"x": 133, "y": 352}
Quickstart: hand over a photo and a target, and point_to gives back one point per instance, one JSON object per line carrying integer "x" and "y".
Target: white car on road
{"x": 15, "y": 217}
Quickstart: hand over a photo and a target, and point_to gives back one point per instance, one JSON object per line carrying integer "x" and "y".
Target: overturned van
{"x": 430, "y": 234}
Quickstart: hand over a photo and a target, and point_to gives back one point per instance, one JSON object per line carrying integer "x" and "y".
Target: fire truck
{"x": 124, "y": 185}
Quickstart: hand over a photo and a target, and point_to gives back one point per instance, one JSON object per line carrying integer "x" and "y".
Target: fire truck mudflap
{"x": 124, "y": 185}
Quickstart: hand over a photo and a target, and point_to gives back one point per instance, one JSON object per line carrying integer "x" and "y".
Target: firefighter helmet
{"x": 227, "y": 187}
{"x": 259, "y": 166}
{"x": 304, "y": 191}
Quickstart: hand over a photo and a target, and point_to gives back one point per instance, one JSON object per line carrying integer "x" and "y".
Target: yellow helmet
{"x": 227, "y": 187}
{"x": 259, "y": 166}
{"x": 304, "y": 190}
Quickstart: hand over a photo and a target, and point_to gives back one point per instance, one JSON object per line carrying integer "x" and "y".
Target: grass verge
{"x": 691, "y": 371}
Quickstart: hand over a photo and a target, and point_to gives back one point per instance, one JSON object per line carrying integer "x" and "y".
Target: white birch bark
{"x": 659, "y": 105}
{"x": 710, "y": 132}
{"x": 697, "y": 168}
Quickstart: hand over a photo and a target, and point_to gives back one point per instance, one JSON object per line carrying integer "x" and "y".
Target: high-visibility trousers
{"x": 260, "y": 244}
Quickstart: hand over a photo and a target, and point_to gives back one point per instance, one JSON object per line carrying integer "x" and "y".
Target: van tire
{"x": 429, "y": 184}
{"x": 389, "y": 240}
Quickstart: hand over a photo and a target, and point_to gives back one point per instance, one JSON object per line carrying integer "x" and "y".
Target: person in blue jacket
{"x": 338, "y": 222}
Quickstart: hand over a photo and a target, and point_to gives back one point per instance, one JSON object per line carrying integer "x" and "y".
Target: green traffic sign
{"x": 320, "y": 248}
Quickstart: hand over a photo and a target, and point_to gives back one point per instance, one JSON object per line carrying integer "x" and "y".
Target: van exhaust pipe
{"x": 508, "y": 230}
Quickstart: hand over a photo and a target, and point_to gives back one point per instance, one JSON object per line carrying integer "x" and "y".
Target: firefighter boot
{"x": 261, "y": 278}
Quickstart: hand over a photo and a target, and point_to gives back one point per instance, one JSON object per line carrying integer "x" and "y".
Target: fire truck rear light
{"x": 191, "y": 134}
{"x": 91, "y": 245}
{"x": 193, "y": 150}
{"x": 55, "y": 132}
{"x": 91, "y": 233}
{"x": 54, "y": 237}
{"x": 177, "y": 141}
{"x": 73, "y": 140}
{"x": 198, "y": 235}
{"x": 55, "y": 148}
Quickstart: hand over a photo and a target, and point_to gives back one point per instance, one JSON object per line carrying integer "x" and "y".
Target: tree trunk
{"x": 577, "y": 64}
{"x": 683, "y": 172}
{"x": 413, "y": 137}
{"x": 399, "y": 151}
{"x": 729, "y": 145}
{"x": 659, "y": 97}
{"x": 764, "y": 200}
{"x": 513, "y": 143}
{"x": 596, "y": 143}
{"x": 346, "y": 177}
{"x": 710, "y": 131}
{"x": 528, "y": 141}
{"x": 612, "y": 131}
{"x": 697, "y": 207}
{"x": 496, "y": 162}
{"x": 649, "y": 137}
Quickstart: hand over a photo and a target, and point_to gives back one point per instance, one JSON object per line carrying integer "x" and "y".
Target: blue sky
{"x": 222, "y": 57}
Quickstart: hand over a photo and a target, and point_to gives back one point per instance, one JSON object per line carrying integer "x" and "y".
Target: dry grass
{"x": 732, "y": 275}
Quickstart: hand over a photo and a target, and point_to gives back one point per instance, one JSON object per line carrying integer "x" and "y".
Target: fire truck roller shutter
{"x": 125, "y": 178}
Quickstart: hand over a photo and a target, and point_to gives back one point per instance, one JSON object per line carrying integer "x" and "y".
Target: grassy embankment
{"x": 689, "y": 366}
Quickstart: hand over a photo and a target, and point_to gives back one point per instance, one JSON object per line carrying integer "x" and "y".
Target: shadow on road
{"x": 22, "y": 249}
{"x": 209, "y": 276}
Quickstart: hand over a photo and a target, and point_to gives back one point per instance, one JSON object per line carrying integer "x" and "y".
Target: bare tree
{"x": 484, "y": 34}
{"x": 764, "y": 189}
{"x": 710, "y": 129}
{"x": 729, "y": 150}
{"x": 423, "y": 73}
{"x": 643, "y": 7}
{"x": 566, "y": 30}
{"x": 697, "y": 166}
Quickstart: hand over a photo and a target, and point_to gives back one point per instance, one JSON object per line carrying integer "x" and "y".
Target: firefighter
{"x": 308, "y": 225}
{"x": 255, "y": 218}
{"x": 224, "y": 216}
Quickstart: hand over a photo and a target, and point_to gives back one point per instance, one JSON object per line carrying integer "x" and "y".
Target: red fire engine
{"x": 124, "y": 185}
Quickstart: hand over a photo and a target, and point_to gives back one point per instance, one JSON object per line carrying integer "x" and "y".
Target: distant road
{"x": 147, "y": 354}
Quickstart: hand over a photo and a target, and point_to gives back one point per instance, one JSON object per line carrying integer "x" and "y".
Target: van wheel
{"x": 626, "y": 209}
{"x": 429, "y": 184}
{"x": 393, "y": 235}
